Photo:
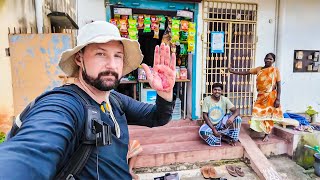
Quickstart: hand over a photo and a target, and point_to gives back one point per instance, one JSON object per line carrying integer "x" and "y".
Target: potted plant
{"x": 2, "y": 137}
{"x": 311, "y": 113}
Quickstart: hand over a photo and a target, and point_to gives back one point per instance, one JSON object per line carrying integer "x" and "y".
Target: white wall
{"x": 298, "y": 29}
{"x": 265, "y": 32}
{"x": 92, "y": 10}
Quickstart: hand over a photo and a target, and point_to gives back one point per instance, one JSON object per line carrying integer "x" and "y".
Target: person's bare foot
{"x": 134, "y": 176}
{"x": 266, "y": 138}
{"x": 228, "y": 140}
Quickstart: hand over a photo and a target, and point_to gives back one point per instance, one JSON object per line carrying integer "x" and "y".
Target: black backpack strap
{"x": 89, "y": 140}
{"x": 76, "y": 163}
{"x": 80, "y": 157}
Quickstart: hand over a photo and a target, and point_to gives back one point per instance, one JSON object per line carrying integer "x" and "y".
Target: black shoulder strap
{"x": 80, "y": 157}
{"x": 76, "y": 163}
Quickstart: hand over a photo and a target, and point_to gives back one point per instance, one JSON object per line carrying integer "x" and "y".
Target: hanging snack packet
{"x": 125, "y": 17}
{"x": 123, "y": 25}
{"x": 192, "y": 25}
{"x": 156, "y": 31}
{"x": 162, "y": 22}
{"x": 176, "y": 24}
{"x": 117, "y": 17}
{"x": 174, "y": 36}
{"x": 191, "y": 34}
{"x": 133, "y": 33}
{"x": 173, "y": 48}
{"x": 147, "y": 24}
{"x": 132, "y": 23}
{"x": 114, "y": 22}
{"x": 135, "y": 16}
{"x": 183, "y": 36}
{"x": 184, "y": 25}
{"x": 140, "y": 22}
{"x": 153, "y": 22}
{"x": 191, "y": 46}
{"x": 183, "y": 49}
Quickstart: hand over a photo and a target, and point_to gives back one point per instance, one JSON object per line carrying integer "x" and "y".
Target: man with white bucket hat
{"x": 88, "y": 113}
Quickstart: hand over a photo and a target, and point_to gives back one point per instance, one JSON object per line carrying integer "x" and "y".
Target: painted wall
{"x": 265, "y": 33}
{"x": 93, "y": 11}
{"x": 298, "y": 29}
{"x": 35, "y": 59}
{"x": 17, "y": 13}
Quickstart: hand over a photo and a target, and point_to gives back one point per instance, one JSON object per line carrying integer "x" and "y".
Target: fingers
{"x": 162, "y": 53}
{"x": 167, "y": 58}
{"x": 147, "y": 70}
{"x": 156, "y": 56}
{"x": 162, "y": 56}
{"x": 173, "y": 61}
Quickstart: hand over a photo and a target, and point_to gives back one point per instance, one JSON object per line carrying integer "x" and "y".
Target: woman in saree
{"x": 266, "y": 109}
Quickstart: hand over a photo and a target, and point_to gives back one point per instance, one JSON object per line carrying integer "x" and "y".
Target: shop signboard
{"x": 184, "y": 13}
{"x": 123, "y": 11}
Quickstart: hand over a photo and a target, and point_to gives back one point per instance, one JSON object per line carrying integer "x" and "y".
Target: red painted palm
{"x": 163, "y": 76}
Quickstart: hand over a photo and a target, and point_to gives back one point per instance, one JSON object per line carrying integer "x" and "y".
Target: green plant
{"x": 310, "y": 111}
{"x": 2, "y": 137}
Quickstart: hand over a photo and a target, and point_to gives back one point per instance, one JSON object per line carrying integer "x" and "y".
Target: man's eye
{"x": 100, "y": 54}
{"x": 118, "y": 56}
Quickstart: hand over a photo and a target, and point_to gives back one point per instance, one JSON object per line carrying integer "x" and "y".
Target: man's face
{"x": 103, "y": 64}
{"x": 216, "y": 92}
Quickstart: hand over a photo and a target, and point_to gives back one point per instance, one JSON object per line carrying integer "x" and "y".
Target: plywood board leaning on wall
{"x": 34, "y": 65}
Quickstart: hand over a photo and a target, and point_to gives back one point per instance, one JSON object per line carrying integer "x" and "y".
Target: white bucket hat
{"x": 101, "y": 32}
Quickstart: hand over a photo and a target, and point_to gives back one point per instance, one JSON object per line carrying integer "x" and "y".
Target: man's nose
{"x": 110, "y": 62}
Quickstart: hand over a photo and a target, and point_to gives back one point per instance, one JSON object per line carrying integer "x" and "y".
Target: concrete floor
{"x": 287, "y": 169}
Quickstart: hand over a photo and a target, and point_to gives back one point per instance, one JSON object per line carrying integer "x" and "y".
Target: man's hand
{"x": 216, "y": 133}
{"x": 230, "y": 121}
{"x": 277, "y": 103}
{"x": 163, "y": 77}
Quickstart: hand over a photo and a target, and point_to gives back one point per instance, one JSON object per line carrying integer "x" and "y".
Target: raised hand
{"x": 230, "y": 68}
{"x": 163, "y": 77}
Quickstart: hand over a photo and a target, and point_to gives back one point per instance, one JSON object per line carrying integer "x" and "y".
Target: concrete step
{"x": 179, "y": 142}
{"x": 172, "y": 123}
{"x": 188, "y": 151}
{"x": 275, "y": 145}
{"x": 165, "y": 135}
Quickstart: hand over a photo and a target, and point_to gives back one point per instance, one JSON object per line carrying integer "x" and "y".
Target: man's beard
{"x": 98, "y": 83}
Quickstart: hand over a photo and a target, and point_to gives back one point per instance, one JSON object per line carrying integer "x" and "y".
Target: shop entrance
{"x": 229, "y": 39}
{"x": 151, "y": 27}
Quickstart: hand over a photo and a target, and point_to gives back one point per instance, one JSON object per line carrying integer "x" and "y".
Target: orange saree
{"x": 264, "y": 113}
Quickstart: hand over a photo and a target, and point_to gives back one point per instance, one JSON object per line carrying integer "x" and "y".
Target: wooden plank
{"x": 259, "y": 163}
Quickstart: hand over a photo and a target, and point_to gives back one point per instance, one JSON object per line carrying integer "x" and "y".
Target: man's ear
{"x": 78, "y": 58}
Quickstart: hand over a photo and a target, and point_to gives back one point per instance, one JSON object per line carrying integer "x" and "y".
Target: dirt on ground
{"x": 287, "y": 169}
